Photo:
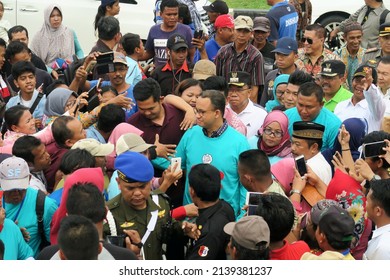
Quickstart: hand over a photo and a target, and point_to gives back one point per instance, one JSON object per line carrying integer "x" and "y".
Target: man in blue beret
{"x": 144, "y": 216}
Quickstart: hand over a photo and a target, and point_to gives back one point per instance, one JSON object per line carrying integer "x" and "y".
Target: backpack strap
{"x": 383, "y": 16}
{"x": 39, "y": 209}
{"x": 36, "y": 102}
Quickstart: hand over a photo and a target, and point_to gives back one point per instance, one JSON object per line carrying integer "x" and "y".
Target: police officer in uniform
{"x": 373, "y": 55}
{"x": 214, "y": 214}
{"x": 144, "y": 216}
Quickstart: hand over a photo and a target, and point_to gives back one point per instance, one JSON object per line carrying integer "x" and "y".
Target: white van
{"x": 136, "y": 16}
{"x": 330, "y": 13}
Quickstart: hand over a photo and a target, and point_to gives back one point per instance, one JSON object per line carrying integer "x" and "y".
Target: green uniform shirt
{"x": 341, "y": 95}
{"x": 129, "y": 218}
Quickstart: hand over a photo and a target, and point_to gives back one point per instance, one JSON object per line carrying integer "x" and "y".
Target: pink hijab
{"x": 283, "y": 171}
{"x": 118, "y": 131}
{"x": 284, "y": 147}
{"x": 82, "y": 175}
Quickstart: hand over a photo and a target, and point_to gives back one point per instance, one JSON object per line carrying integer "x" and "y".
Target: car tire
{"x": 330, "y": 23}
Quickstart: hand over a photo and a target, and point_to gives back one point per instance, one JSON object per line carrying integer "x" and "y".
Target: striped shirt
{"x": 250, "y": 60}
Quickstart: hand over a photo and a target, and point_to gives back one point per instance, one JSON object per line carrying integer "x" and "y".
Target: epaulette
{"x": 113, "y": 203}
{"x": 372, "y": 50}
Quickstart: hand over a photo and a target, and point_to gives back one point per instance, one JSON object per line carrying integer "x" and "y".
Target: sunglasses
{"x": 309, "y": 41}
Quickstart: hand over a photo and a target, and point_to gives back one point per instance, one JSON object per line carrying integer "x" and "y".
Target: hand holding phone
{"x": 300, "y": 164}
{"x": 176, "y": 164}
{"x": 374, "y": 149}
{"x": 198, "y": 34}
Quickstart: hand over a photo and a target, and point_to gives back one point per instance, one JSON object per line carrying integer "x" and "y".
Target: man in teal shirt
{"x": 332, "y": 77}
{"x": 310, "y": 107}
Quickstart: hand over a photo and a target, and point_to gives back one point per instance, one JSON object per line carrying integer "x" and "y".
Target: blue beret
{"x": 133, "y": 167}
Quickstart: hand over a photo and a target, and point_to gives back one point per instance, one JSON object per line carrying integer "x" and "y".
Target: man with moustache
{"x": 20, "y": 201}
{"x": 332, "y": 77}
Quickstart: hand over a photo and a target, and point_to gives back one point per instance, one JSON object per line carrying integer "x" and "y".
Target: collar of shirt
{"x": 218, "y": 132}
{"x": 338, "y": 97}
{"x": 379, "y": 231}
{"x": 168, "y": 67}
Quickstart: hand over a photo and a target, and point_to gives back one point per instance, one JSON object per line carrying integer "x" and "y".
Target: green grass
{"x": 247, "y": 4}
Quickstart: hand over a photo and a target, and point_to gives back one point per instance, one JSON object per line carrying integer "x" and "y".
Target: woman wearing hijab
{"x": 83, "y": 175}
{"x": 280, "y": 85}
{"x": 62, "y": 99}
{"x": 357, "y": 129}
{"x": 55, "y": 43}
{"x": 273, "y": 137}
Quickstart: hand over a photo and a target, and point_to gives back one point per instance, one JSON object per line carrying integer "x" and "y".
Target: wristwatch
{"x": 375, "y": 178}
{"x": 295, "y": 191}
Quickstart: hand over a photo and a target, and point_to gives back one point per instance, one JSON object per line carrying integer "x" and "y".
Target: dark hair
{"x": 311, "y": 142}
{"x": 13, "y": 114}
{"x": 278, "y": 211}
{"x": 101, "y": 13}
{"x": 21, "y": 67}
{"x": 108, "y": 88}
{"x": 299, "y": 77}
{"x": 2, "y": 250}
{"x": 78, "y": 238}
{"x": 168, "y": 4}
{"x": 108, "y": 27}
{"x": 75, "y": 159}
{"x": 147, "y": 88}
{"x": 24, "y": 146}
{"x": 205, "y": 180}
{"x": 376, "y": 136}
{"x": 55, "y": 84}
{"x": 129, "y": 42}
{"x": 3, "y": 43}
{"x": 217, "y": 99}
{"x": 185, "y": 84}
{"x": 109, "y": 117}
{"x": 216, "y": 83}
{"x": 184, "y": 13}
{"x": 16, "y": 29}
{"x": 60, "y": 130}
{"x": 14, "y": 48}
{"x": 256, "y": 163}
{"x": 85, "y": 199}
{"x": 310, "y": 89}
{"x": 319, "y": 30}
{"x": 384, "y": 60}
{"x": 247, "y": 254}
{"x": 380, "y": 194}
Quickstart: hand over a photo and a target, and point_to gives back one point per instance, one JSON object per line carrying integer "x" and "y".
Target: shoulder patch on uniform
{"x": 127, "y": 224}
{"x": 203, "y": 251}
{"x": 371, "y": 50}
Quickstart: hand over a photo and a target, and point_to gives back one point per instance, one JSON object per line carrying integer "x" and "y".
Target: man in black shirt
{"x": 214, "y": 214}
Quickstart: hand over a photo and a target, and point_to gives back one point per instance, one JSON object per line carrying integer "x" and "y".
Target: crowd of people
{"x": 242, "y": 139}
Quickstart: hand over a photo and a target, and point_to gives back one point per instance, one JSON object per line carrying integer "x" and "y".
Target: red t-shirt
{"x": 293, "y": 251}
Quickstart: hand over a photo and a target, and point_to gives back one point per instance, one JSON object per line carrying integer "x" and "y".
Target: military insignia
{"x": 203, "y": 251}
{"x": 327, "y": 68}
{"x": 207, "y": 158}
{"x": 234, "y": 78}
{"x": 161, "y": 213}
{"x": 127, "y": 224}
{"x": 200, "y": 227}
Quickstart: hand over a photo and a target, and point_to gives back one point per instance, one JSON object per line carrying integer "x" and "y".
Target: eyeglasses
{"x": 309, "y": 41}
{"x": 277, "y": 133}
{"x": 238, "y": 90}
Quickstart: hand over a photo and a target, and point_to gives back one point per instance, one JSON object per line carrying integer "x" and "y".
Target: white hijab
{"x": 52, "y": 43}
